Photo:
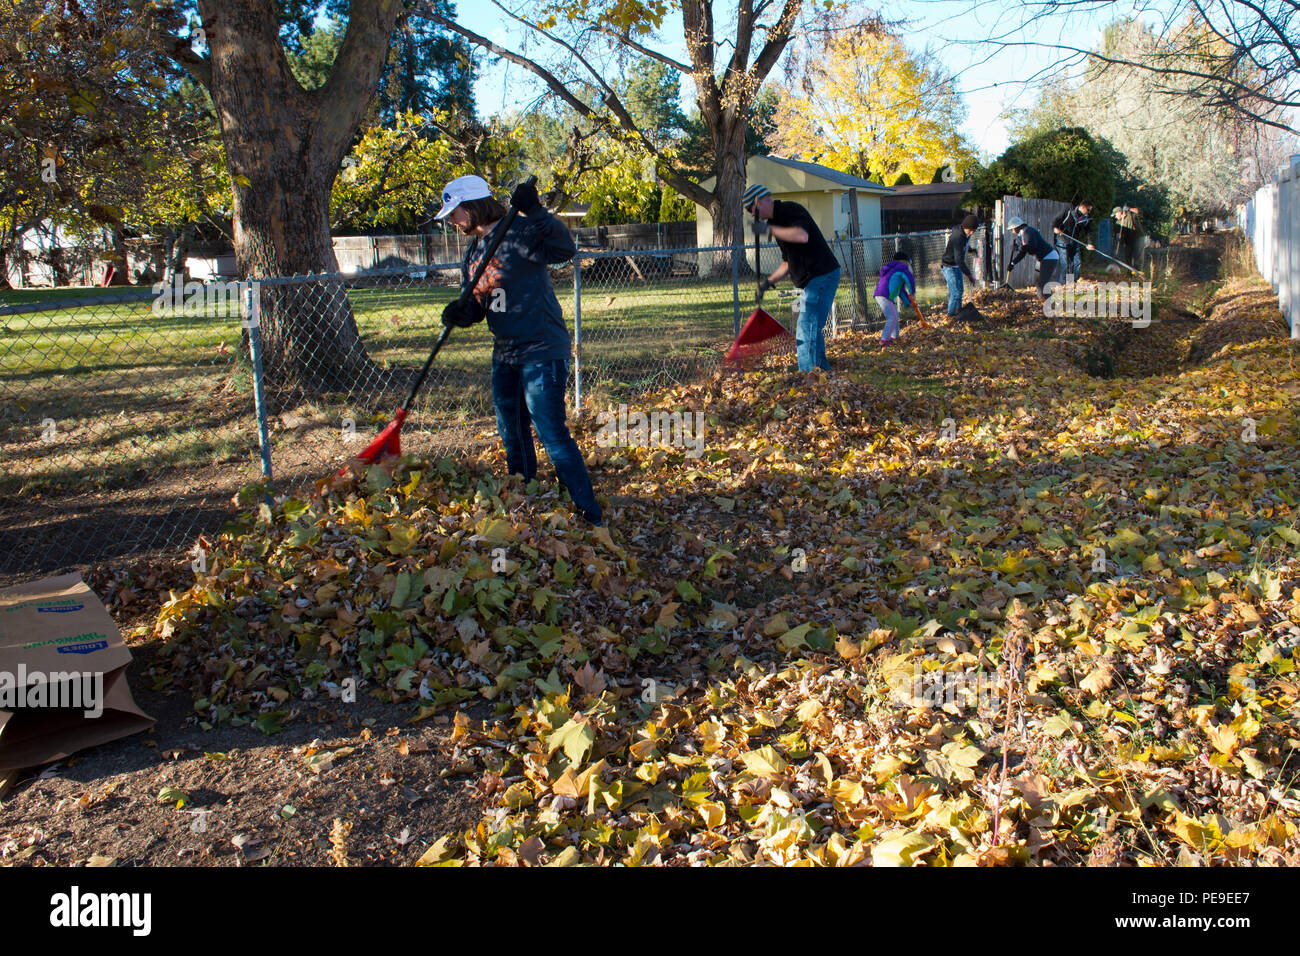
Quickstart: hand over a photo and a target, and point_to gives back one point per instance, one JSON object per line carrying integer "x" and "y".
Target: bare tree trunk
{"x": 178, "y": 245}
{"x": 118, "y": 259}
{"x": 284, "y": 145}
{"x": 724, "y": 206}
{"x": 309, "y": 334}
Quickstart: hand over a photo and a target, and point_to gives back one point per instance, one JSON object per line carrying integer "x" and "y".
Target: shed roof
{"x": 846, "y": 180}
{"x": 832, "y": 177}
{"x": 933, "y": 189}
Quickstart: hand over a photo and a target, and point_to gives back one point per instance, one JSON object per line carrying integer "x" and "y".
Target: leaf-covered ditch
{"x": 955, "y": 603}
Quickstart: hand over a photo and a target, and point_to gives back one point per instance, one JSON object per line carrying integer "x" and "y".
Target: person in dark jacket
{"x": 807, "y": 260}
{"x": 1128, "y": 231}
{"x": 954, "y": 261}
{"x": 1076, "y": 224}
{"x": 1029, "y": 241}
{"x": 530, "y": 350}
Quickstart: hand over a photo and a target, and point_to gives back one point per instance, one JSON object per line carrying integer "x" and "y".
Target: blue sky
{"x": 991, "y": 80}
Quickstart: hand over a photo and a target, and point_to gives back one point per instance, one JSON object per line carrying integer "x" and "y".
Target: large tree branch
{"x": 358, "y": 65}
{"x": 777, "y": 40}
{"x": 1277, "y": 30}
{"x": 552, "y": 82}
{"x": 1244, "y": 91}
{"x": 159, "y": 26}
{"x": 739, "y": 62}
{"x": 611, "y": 100}
{"x": 645, "y": 51}
{"x": 697, "y": 24}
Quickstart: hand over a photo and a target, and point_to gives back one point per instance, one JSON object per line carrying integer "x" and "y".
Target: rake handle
{"x": 919, "y": 317}
{"x": 1103, "y": 255}
{"x": 465, "y": 292}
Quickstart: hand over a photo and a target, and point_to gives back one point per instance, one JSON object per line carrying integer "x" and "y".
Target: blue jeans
{"x": 1070, "y": 255}
{"x": 810, "y": 340}
{"x": 532, "y": 396}
{"x": 952, "y": 276}
{"x": 890, "y": 312}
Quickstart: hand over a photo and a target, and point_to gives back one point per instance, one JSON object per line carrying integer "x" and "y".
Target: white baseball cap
{"x": 461, "y": 189}
{"x": 1015, "y": 223}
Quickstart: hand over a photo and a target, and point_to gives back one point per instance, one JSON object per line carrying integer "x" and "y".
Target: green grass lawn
{"x": 131, "y": 392}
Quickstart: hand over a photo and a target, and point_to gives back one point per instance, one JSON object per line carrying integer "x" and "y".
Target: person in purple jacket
{"x": 896, "y": 282}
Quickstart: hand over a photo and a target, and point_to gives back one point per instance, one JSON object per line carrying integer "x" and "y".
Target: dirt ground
{"x": 248, "y": 798}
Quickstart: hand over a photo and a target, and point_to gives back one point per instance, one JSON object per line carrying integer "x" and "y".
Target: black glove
{"x": 463, "y": 316}
{"x": 525, "y": 198}
{"x": 761, "y": 228}
{"x": 763, "y": 285}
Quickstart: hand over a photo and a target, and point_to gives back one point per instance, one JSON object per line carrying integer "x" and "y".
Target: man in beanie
{"x": 809, "y": 262}
{"x": 954, "y": 261}
{"x": 1029, "y": 241}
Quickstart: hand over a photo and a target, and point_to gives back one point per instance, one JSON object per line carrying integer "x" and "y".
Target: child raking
{"x": 896, "y": 283}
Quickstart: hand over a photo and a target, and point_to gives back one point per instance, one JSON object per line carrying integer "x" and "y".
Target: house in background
{"x": 922, "y": 208}
{"x": 828, "y": 194}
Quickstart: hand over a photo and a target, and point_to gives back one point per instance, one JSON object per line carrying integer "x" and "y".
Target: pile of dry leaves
{"x": 956, "y": 602}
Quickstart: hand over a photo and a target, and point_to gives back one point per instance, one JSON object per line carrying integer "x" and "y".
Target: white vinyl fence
{"x": 1271, "y": 223}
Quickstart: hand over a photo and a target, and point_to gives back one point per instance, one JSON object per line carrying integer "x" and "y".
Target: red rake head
{"x": 388, "y": 442}
{"x": 760, "y": 334}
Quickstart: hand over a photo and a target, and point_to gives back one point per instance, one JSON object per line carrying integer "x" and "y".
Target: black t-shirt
{"x": 810, "y": 259}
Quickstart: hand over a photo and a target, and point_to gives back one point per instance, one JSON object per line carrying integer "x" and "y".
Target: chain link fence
{"x": 124, "y": 420}
{"x": 130, "y": 419}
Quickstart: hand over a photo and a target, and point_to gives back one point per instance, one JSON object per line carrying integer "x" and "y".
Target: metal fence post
{"x": 577, "y": 332}
{"x": 735, "y": 280}
{"x": 251, "y": 322}
{"x": 1294, "y": 245}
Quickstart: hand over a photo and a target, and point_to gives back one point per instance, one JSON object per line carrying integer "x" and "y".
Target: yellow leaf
{"x": 1246, "y": 726}
{"x": 794, "y": 637}
{"x": 808, "y": 710}
{"x": 517, "y": 796}
{"x": 901, "y": 849}
{"x": 764, "y": 761}
{"x": 775, "y": 626}
{"x": 668, "y": 615}
{"x": 846, "y": 794}
{"x": 713, "y": 814}
{"x": 1223, "y": 737}
{"x": 402, "y": 537}
{"x": 496, "y": 530}
{"x": 846, "y": 648}
{"x": 885, "y": 766}
{"x": 962, "y": 755}
{"x": 1102, "y": 676}
{"x": 438, "y": 853}
{"x": 569, "y": 856}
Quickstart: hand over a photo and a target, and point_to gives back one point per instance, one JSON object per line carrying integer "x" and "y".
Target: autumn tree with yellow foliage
{"x": 863, "y": 104}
